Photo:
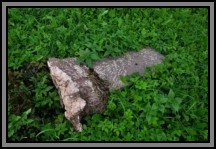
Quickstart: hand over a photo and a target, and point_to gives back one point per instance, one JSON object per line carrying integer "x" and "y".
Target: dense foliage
{"x": 169, "y": 104}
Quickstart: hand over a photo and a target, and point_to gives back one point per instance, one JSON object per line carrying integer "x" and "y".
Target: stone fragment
{"x": 84, "y": 91}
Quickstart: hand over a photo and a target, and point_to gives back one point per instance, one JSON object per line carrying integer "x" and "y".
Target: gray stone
{"x": 81, "y": 92}
{"x": 111, "y": 69}
{"x": 84, "y": 91}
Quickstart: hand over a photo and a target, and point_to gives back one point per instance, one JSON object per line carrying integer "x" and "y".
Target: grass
{"x": 170, "y": 104}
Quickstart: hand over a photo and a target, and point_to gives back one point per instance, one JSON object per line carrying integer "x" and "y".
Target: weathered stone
{"x": 80, "y": 91}
{"x": 111, "y": 69}
{"x": 84, "y": 91}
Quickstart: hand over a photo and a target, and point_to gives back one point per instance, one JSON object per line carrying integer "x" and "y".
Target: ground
{"x": 170, "y": 103}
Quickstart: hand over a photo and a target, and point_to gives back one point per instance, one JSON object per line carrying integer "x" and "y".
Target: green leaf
{"x": 123, "y": 79}
{"x": 166, "y": 22}
{"x": 178, "y": 100}
{"x": 148, "y": 118}
{"x": 120, "y": 21}
{"x": 105, "y": 12}
{"x": 27, "y": 112}
{"x": 175, "y": 107}
{"x": 38, "y": 58}
{"x": 89, "y": 63}
{"x": 107, "y": 53}
{"x": 141, "y": 85}
{"x": 11, "y": 133}
{"x": 95, "y": 56}
{"x": 154, "y": 107}
{"x": 112, "y": 106}
{"x": 48, "y": 88}
{"x": 96, "y": 118}
{"x": 134, "y": 79}
{"x": 137, "y": 98}
{"x": 154, "y": 121}
{"x": 163, "y": 99}
{"x": 143, "y": 32}
{"x": 16, "y": 118}
{"x": 162, "y": 108}
{"x": 171, "y": 94}
{"x": 112, "y": 13}
{"x": 29, "y": 121}
{"x": 128, "y": 114}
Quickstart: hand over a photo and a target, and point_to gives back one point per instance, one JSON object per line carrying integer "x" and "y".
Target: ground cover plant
{"x": 169, "y": 104}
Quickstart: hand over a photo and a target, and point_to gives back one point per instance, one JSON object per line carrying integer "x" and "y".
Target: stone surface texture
{"x": 84, "y": 91}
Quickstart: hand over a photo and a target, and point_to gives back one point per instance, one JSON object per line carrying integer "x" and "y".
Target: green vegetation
{"x": 170, "y": 104}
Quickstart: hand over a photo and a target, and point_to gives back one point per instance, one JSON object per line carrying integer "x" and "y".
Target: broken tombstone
{"x": 85, "y": 91}
{"x": 111, "y": 69}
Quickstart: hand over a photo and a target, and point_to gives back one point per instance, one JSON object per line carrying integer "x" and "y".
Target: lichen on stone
{"x": 79, "y": 93}
{"x": 84, "y": 91}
